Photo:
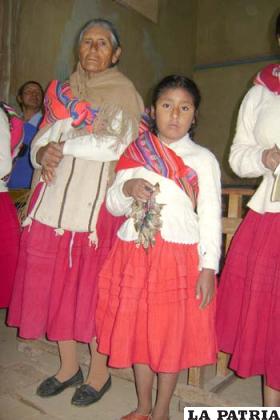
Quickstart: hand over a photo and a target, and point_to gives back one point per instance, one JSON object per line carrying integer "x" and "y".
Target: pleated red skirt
{"x": 50, "y": 296}
{"x": 9, "y": 247}
{"x": 248, "y": 312}
{"x": 147, "y": 311}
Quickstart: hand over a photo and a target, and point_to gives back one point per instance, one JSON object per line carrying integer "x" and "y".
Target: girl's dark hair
{"x": 174, "y": 82}
{"x": 277, "y": 29}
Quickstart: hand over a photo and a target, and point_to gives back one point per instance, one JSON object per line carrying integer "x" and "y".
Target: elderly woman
{"x": 88, "y": 123}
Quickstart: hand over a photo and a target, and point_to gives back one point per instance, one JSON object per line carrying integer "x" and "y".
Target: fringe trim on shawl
{"x": 105, "y": 125}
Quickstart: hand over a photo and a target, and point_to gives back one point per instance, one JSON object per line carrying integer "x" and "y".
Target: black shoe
{"x": 52, "y": 386}
{"x": 86, "y": 394}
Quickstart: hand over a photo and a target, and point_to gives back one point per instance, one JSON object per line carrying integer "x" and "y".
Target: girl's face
{"x": 174, "y": 114}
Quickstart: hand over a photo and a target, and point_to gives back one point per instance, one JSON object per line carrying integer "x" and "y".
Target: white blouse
{"x": 86, "y": 147}
{"x": 258, "y": 128}
{"x": 180, "y": 224}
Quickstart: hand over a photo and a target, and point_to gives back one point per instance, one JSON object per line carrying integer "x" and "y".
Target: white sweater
{"x": 5, "y": 150}
{"x": 180, "y": 224}
{"x": 258, "y": 128}
{"x": 73, "y": 200}
{"x": 86, "y": 147}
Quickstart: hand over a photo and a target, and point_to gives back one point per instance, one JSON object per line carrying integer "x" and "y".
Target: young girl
{"x": 156, "y": 308}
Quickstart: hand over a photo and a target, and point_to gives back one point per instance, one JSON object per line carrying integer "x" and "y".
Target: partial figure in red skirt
{"x": 248, "y": 312}
{"x": 11, "y": 135}
{"x": 156, "y": 304}
{"x": 89, "y": 120}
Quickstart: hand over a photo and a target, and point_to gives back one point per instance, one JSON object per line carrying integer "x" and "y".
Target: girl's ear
{"x": 193, "y": 123}
{"x": 153, "y": 125}
{"x": 195, "y": 118}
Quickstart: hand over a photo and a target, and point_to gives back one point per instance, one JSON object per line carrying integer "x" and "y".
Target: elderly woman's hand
{"x": 49, "y": 157}
{"x": 138, "y": 188}
{"x": 48, "y": 175}
{"x": 271, "y": 158}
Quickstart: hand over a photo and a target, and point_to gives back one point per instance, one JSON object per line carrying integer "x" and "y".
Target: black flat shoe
{"x": 86, "y": 394}
{"x": 52, "y": 386}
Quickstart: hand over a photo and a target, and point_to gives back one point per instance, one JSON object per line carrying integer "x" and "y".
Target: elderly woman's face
{"x": 96, "y": 51}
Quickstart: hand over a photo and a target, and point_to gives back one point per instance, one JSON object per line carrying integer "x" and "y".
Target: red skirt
{"x": 50, "y": 297}
{"x": 248, "y": 312}
{"x": 9, "y": 247}
{"x": 147, "y": 311}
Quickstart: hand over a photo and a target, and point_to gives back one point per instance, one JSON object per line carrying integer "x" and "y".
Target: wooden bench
{"x": 18, "y": 195}
{"x": 230, "y": 222}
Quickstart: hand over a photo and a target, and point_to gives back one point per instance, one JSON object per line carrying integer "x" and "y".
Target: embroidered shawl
{"x": 93, "y": 103}
{"x": 16, "y": 128}
{"x": 270, "y": 78}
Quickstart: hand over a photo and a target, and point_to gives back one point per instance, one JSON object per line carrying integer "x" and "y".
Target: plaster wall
{"x": 47, "y": 30}
{"x": 235, "y": 39}
{"x": 221, "y": 43}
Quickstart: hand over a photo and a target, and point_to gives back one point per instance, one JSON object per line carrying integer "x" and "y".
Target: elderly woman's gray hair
{"x": 106, "y": 24}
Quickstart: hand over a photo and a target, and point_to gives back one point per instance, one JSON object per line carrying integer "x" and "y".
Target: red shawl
{"x": 270, "y": 78}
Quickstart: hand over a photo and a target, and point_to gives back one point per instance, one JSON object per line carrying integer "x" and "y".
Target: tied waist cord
{"x": 92, "y": 237}
{"x": 60, "y": 232}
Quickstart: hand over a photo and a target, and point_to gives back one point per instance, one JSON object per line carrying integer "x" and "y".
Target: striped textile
{"x": 60, "y": 104}
{"x": 16, "y": 128}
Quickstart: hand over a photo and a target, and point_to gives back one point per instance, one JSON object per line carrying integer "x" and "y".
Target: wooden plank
{"x": 222, "y": 364}
{"x": 238, "y": 191}
{"x": 230, "y": 224}
{"x": 234, "y": 205}
{"x": 18, "y": 195}
{"x": 194, "y": 376}
{"x": 218, "y": 383}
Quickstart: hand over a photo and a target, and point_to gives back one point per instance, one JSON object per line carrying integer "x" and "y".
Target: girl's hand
{"x": 271, "y": 158}
{"x": 138, "y": 188}
{"x": 205, "y": 287}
